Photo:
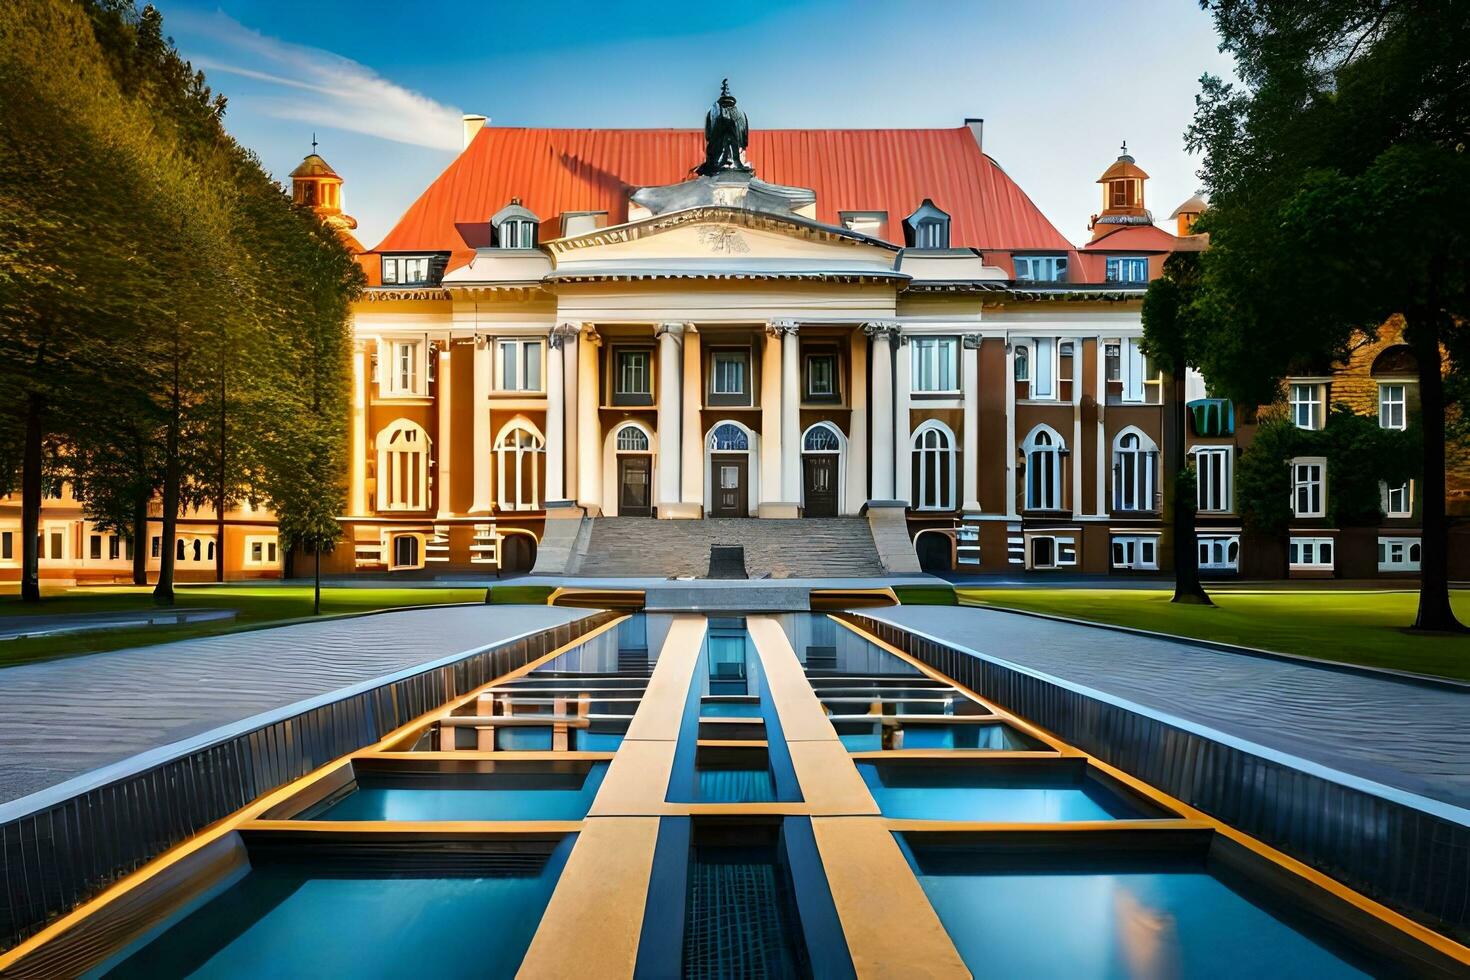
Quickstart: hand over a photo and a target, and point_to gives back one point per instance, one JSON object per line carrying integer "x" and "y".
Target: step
{"x": 800, "y": 548}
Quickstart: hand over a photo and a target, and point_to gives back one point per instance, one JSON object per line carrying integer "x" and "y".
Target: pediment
{"x": 722, "y": 240}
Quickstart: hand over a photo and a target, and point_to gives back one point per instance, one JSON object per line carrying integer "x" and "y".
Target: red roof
{"x": 1132, "y": 238}
{"x": 554, "y": 171}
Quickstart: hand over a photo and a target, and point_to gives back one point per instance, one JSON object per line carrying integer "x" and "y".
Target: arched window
{"x": 934, "y": 466}
{"x": 631, "y": 439}
{"x": 515, "y": 226}
{"x": 927, "y": 227}
{"x": 1135, "y": 470}
{"x": 1043, "y": 449}
{"x": 821, "y": 438}
{"x": 518, "y": 451}
{"x": 727, "y": 437}
{"x": 403, "y": 467}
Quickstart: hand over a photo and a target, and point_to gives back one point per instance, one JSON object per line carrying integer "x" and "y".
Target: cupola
{"x": 1187, "y": 214}
{"x": 315, "y": 185}
{"x": 1123, "y": 204}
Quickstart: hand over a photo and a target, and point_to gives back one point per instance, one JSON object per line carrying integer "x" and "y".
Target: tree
{"x": 1338, "y": 185}
{"x": 1171, "y": 338}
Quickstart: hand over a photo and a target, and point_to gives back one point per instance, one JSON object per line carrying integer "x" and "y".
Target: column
{"x": 1011, "y": 447}
{"x": 790, "y": 415}
{"x": 770, "y": 454}
{"x": 670, "y": 415}
{"x": 1100, "y": 395}
{"x": 970, "y": 382}
{"x": 556, "y": 415}
{"x": 857, "y": 435}
{"x": 692, "y": 465}
{"x": 483, "y": 502}
{"x": 358, "y": 504}
{"x": 903, "y": 470}
{"x": 445, "y": 446}
{"x": 589, "y": 423}
{"x": 882, "y": 351}
{"x": 1078, "y": 503}
{"x": 569, "y": 357}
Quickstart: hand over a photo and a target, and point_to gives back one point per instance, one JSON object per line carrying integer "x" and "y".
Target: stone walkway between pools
{"x": 1395, "y": 733}
{"x": 61, "y": 719}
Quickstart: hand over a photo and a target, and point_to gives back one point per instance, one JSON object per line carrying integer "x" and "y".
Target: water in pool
{"x": 500, "y": 795}
{"x": 867, "y": 737}
{"x": 285, "y": 920}
{"x": 922, "y": 792}
{"x": 1113, "y": 924}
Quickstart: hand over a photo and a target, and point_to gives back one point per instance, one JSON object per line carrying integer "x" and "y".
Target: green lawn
{"x": 1355, "y": 627}
{"x": 254, "y": 605}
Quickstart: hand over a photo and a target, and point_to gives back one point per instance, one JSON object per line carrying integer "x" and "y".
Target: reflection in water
{"x": 1149, "y": 937}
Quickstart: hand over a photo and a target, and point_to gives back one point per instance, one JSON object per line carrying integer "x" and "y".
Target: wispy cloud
{"x": 346, "y": 95}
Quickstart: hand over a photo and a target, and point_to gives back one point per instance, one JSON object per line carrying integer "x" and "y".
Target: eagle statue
{"x": 726, "y": 135}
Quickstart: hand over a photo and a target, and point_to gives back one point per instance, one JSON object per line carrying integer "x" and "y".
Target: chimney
{"x": 977, "y": 130}
{"x": 472, "y": 125}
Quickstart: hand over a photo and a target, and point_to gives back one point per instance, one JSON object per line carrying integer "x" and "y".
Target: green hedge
{"x": 518, "y": 595}
{"x": 926, "y": 595}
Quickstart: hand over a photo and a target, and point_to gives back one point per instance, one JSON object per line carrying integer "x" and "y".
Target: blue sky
{"x": 1059, "y": 84}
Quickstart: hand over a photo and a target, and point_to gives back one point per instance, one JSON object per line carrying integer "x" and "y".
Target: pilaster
{"x": 444, "y": 448}
{"x": 857, "y": 440}
{"x": 358, "y": 500}
{"x": 692, "y": 464}
{"x": 670, "y": 416}
{"x": 589, "y": 422}
{"x": 480, "y": 413}
{"x": 970, "y": 456}
{"x": 903, "y": 376}
{"x": 881, "y": 334}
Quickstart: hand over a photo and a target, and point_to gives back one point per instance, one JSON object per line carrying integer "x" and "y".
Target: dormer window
{"x": 406, "y": 270}
{"x": 1127, "y": 268}
{"x": 515, "y": 226}
{"x": 928, "y": 227}
{"x": 1041, "y": 268}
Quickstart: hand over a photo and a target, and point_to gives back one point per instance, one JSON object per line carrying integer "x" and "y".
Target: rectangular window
{"x": 1398, "y": 501}
{"x": 1042, "y": 374}
{"x": 1113, "y": 359}
{"x": 1134, "y": 368}
{"x": 1041, "y": 268}
{"x": 57, "y": 550}
{"x": 1052, "y": 551}
{"x": 520, "y": 365}
{"x": 405, "y": 270}
{"x": 1306, "y": 406}
{"x": 156, "y": 550}
{"x": 1212, "y": 468}
{"x": 94, "y": 547}
{"x": 1219, "y": 552}
{"x": 1311, "y": 554}
{"x": 1122, "y": 268}
{"x": 1139, "y": 551}
{"x": 728, "y": 373}
{"x": 7, "y": 545}
{"x": 1308, "y": 494}
{"x": 403, "y": 367}
{"x": 821, "y": 377}
{"x": 1398, "y": 554}
{"x": 935, "y": 363}
{"x": 113, "y": 547}
{"x": 633, "y": 376}
{"x": 1392, "y": 405}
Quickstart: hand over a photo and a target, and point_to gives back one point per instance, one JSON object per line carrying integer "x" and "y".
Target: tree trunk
{"x": 1435, "y": 613}
{"x": 316, "y": 601}
{"x": 140, "y": 540}
{"x": 163, "y": 592}
{"x": 219, "y": 499}
{"x": 1187, "y": 587}
{"x": 30, "y": 503}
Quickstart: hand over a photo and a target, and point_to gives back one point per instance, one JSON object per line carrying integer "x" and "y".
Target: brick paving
{"x": 64, "y": 718}
{"x": 1397, "y": 733}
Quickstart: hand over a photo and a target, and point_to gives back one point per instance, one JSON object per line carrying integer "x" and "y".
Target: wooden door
{"x": 820, "y": 473}
{"x": 731, "y": 496}
{"x": 635, "y": 490}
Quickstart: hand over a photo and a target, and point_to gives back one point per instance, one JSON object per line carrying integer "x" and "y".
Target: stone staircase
{"x": 816, "y": 547}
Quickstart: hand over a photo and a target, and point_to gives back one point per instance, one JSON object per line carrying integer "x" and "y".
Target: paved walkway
{"x": 1397, "y": 733}
{"x": 64, "y": 718}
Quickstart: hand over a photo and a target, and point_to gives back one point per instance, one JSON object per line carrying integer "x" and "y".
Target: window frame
{"x": 1058, "y": 542}
{"x": 1225, "y": 542}
{"x": 920, "y": 346}
{"x": 513, "y": 460}
{"x": 620, "y": 396}
{"x": 727, "y": 399}
{"x": 390, "y": 479}
{"x": 1203, "y": 501}
{"x": 270, "y": 549}
{"x": 808, "y": 358}
{"x": 406, "y": 270}
{"x": 1389, "y": 406}
{"x": 522, "y": 346}
{"x": 1298, "y": 484}
{"x": 1407, "y": 563}
{"x": 1136, "y": 543}
{"x": 1055, "y": 264}
{"x": 1387, "y": 493}
{"x": 1300, "y": 545}
{"x": 1144, "y": 477}
{"x": 939, "y": 461}
{"x": 392, "y": 381}
{"x": 1114, "y": 265}
{"x": 1056, "y": 482}
{"x": 1315, "y": 405}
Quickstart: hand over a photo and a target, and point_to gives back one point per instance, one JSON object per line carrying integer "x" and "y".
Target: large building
{"x": 788, "y": 324}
